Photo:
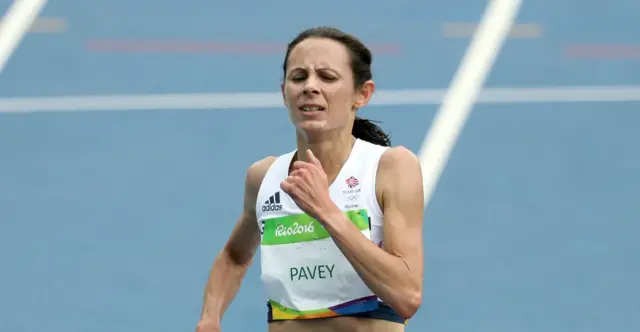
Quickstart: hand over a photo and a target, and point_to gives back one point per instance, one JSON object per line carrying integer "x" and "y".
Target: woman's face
{"x": 318, "y": 88}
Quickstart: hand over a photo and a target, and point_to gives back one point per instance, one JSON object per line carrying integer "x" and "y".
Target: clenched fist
{"x": 308, "y": 186}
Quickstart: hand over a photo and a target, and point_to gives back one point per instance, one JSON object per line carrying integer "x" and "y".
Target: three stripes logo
{"x": 273, "y": 203}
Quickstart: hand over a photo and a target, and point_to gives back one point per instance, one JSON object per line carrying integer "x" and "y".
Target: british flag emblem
{"x": 352, "y": 182}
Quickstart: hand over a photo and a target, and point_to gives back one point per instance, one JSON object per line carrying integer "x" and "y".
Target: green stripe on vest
{"x": 302, "y": 228}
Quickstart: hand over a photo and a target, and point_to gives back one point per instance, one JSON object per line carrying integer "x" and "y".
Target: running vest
{"x": 304, "y": 273}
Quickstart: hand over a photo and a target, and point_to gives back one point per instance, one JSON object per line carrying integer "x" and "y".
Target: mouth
{"x": 311, "y": 108}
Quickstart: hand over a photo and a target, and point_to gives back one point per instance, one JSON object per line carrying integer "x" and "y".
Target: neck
{"x": 331, "y": 151}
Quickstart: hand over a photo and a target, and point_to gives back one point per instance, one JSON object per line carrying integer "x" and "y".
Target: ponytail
{"x": 367, "y": 131}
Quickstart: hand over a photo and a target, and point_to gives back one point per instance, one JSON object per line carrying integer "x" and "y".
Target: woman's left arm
{"x": 394, "y": 273}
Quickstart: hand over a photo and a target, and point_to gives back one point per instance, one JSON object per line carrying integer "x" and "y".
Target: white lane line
{"x": 15, "y": 24}
{"x": 253, "y": 100}
{"x": 463, "y": 92}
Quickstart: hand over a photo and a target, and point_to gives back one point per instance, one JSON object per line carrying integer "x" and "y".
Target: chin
{"x": 312, "y": 126}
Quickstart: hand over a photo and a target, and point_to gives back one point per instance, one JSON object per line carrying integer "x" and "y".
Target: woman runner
{"x": 339, "y": 219}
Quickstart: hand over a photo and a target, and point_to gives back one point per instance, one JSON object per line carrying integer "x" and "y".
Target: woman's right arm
{"x": 236, "y": 256}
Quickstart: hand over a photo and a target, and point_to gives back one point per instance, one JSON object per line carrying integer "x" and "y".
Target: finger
{"x": 289, "y": 188}
{"x": 286, "y": 187}
{"x": 296, "y": 177}
{"x": 300, "y": 173}
{"x": 296, "y": 173}
{"x": 290, "y": 180}
{"x": 298, "y": 164}
{"x": 312, "y": 158}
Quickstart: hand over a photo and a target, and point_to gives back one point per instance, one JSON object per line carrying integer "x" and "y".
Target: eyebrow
{"x": 316, "y": 69}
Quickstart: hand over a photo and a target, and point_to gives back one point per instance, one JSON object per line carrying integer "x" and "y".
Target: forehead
{"x": 319, "y": 52}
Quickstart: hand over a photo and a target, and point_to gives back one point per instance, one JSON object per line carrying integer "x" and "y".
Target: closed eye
{"x": 327, "y": 77}
{"x": 301, "y": 75}
{"x": 298, "y": 78}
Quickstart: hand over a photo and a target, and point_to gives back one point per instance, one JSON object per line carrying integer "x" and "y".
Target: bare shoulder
{"x": 257, "y": 171}
{"x": 399, "y": 173}
{"x": 254, "y": 177}
{"x": 398, "y": 159}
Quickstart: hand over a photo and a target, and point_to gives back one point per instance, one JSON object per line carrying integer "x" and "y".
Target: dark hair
{"x": 361, "y": 59}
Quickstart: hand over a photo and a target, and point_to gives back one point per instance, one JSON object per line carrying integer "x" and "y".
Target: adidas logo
{"x": 273, "y": 203}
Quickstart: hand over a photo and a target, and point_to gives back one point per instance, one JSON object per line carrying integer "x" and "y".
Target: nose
{"x": 311, "y": 90}
{"x": 311, "y": 86}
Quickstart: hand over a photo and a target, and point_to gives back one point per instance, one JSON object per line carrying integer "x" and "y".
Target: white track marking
{"x": 465, "y": 87}
{"x": 467, "y": 29}
{"x": 262, "y": 101}
{"x": 15, "y": 24}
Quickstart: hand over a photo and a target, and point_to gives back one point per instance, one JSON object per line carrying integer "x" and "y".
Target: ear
{"x": 364, "y": 94}
{"x": 284, "y": 98}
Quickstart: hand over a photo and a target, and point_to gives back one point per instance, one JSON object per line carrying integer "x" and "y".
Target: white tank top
{"x": 304, "y": 273}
